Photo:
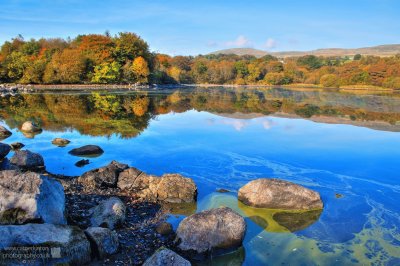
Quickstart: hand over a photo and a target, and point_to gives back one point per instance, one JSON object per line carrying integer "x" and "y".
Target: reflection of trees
{"x": 103, "y": 114}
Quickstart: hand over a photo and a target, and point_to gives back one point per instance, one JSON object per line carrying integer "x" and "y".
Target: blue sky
{"x": 199, "y": 27}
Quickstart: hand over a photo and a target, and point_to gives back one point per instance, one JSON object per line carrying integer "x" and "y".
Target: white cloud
{"x": 270, "y": 44}
{"x": 241, "y": 41}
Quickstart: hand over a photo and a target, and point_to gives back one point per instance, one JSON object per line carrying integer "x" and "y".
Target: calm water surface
{"x": 333, "y": 142}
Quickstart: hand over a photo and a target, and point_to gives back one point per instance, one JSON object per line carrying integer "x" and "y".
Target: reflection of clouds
{"x": 236, "y": 123}
{"x": 240, "y": 124}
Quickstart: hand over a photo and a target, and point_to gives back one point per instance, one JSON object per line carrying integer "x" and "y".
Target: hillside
{"x": 381, "y": 50}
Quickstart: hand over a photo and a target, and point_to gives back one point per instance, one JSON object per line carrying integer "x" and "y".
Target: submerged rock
{"x": 27, "y": 160}
{"x": 17, "y": 146}
{"x": 220, "y": 229}
{"x": 82, "y": 163}
{"x": 109, "y": 213}
{"x": 4, "y": 150}
{"x": 279, "y": 194}
{"x": 60, "y": 142}
{"x": 4, "y": 132}
{"x": 172, "y": 188}
{"x": 30, "y": 127}
{"x": 104, "y": 241}
{"x": 166, "y": 257}
{"x": 103, "y": 177}
{"x": 60, "y": 244}
{"x": 30, "y": 197}
{"x": 164, "y": 228}
{"x": 88, "y": 150}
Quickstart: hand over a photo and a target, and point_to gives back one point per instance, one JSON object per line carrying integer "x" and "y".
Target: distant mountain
{"x": 381, "y": 50}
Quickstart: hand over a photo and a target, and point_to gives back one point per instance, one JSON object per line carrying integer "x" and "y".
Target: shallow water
{"x": 332, "y": 142}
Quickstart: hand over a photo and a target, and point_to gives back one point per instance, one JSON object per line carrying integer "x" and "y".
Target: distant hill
{"x": 381, "y": 50}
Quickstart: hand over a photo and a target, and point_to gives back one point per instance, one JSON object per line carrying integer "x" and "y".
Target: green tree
{"x": 106, "y": 73}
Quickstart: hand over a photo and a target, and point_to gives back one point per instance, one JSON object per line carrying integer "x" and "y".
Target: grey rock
{"x": 166, "y": 257}
{"x": 30, "y": 197}
{"x": 88, "y": 150}
{"x": 104, "y": 241}
{"x": 279, "y": 194}
{"x": 4, "y": 132}
{"x": 17, "y": 146}
{"x": 30, "y": 127}
{"x": 172, "y": 188}
{"x": 215, "y": 229}
{"x": 103, "y": 177}
{"x": 27, "y": 160}
{"x": 66, "y": 245}
{"x": 82, "y": 163}
{"x": 4, "y": 150}
{"x": 109, "y": 213}
{"x": 60, "y": 142}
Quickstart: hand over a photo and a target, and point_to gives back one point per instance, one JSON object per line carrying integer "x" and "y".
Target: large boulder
{"x": 88, "y": 150}
{"x": 109, "y": 213}
{"x": 59, "y": 244}
{"x": 30, "y": 197}
{"x": 60, "y": 142}
{"x": 173, "y": 188}
{"x": 104, "y": 241}
{"x": 279, "y": 194}
{"x": 27, "y": 160}
{"x": 4, "y": 150}
{"x": 215, "y": 229}
{"x": 103, "y": 177}
{"x": 166, "y": 257}
{"x": 30, "y": 127}
{"x": 4, "y": 132}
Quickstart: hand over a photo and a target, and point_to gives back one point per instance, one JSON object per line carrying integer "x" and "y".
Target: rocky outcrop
{"x": 88, "y": 150}
{"x": 215, "y": 229}
{"x": 173, "y": 188}
{"x": 17, "y": 146}
{"x": 60, "y": 244}
{"x": 104, "y": 241}
{"x": 4, "y": 132}
{"x": 60, "y": 142}
{"x": 30, "y": 197}
{"x": 27, "y": 160}
{"x": 109, "y": 213}
{"x": 30, "y": 127}
{"x": 103, "y": 177}
{"x": 166, "y": 257}
{"x": 4, "y": 150}
{"x": 279, "y": 194}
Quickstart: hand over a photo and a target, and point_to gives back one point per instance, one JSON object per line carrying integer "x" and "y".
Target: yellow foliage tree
{"x": 141, "y": 70}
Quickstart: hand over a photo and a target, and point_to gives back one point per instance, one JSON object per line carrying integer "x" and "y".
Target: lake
{"x": 345, "y": 145}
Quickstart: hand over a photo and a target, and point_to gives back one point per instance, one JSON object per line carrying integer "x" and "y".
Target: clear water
{"x": 224, "y": 138}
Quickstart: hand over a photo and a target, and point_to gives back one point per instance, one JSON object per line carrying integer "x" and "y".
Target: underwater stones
{"x": 104, "y": 241}
{"x": 63, "y": 245}
{"x": 103, "y": 177}
{"x": 279, "y": 194}
{"x": 4, "y": 150}
{"x": 27, "y": 160}
{"x": 30, "y": 127}
{"x": 30, "y": 197}
{"x": 82, "y": 163}
{"x": 109, "y": 213}
{"x": 87, "y": 150}
{"x": 164, "y": 228}
{"x": 17, "y": 146}
{"x": 219, "y": 228}
{"x": 60, "y": 142}
{"x": 166, "y": 257}
{"x": 4, "y": 132}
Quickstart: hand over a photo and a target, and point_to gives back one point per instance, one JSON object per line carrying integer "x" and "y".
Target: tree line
{"x": 126, "y": 58}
